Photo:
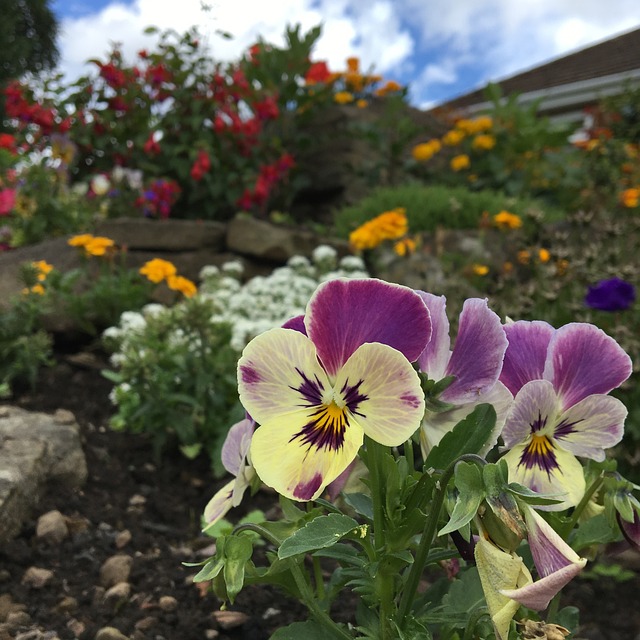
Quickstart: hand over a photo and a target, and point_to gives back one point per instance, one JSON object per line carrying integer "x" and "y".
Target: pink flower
{"x": 7, "y": 201}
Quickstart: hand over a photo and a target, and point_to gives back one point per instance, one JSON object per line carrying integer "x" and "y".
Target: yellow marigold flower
{"x": 390, "y": 86}
{"x": 362, "y": 103}
{"x": 390, "y": 225}
{"x": 480, "y": 269}
{"x": 353, "y": 64}
{"x": 185, "y": 286}
{"x": 354, "y": 81}
{"x": 482, "y": 123}
{"x": 506, "y": 220}
{"x": 453, "y": 137}
{"x": 630, "y": 197}
{"x": 343, "y": 97}
{"x": 80, "y": 241}
{"x": 507, "y": 267}
{"x": 426, "y": 150}
{"x": 37, "y": 289}
{"x": 158, "y": 270}
{"x": 484, "y": 142}
{"x": 544, "y": 255}
{"x": 43, "y": 268}
{"x": 98, "y": 246}
{"x": 405, "y": 247}
{"x": 524, "y": 256}
{"x": 458, "y": 163}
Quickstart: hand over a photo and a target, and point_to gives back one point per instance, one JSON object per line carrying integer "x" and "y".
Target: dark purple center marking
{"x": 539, "y": 423}
{"x": 565, "y": 428}
{"x": 540, "y": 453}
{"x": 249, "y": 374}
{"x": 305, "y": 490}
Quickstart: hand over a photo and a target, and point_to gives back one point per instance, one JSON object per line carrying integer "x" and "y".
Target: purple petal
{"x": 434, "y": 359}
{"x": 526, "y": 354}
{"x": 344, "y": 314}
{"x": 630, "y": 530}
{"x": 477, "y": 355}
{"x": 236, "y": 445}
{"x": 296, "y": 323}
{"x": 584, "y": 360}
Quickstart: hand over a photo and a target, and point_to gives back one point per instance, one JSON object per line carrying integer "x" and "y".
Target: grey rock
{"x": 52, "y": 528}
{"x": 35, "y": 451}
{"x": 119, "y": 593}
{"x": 115, "y": 569}
{"x": 110, "y": 633}
{"x": 37, "y": 577}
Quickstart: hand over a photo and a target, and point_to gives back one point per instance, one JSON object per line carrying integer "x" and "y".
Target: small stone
{"x": 63, "y": 416}
{"x": 17, "y": 619}
{"x": 76, "y": 627}
{"x": 123, "y": 538}
{"x": 67, "y": 604}
{"x": 211, "y": 634}
{"x": 36, "y": 578}
{"x": 117, "y": 594}
{"x": 137, "y": 500}
{"x": 110, "y": 633}
{"x": 115, "y": 569}
{"x": 52, "y": 527}
{"x": 167, "y": 603}
{"x": 270, "y": 613}
{"x": 5, "y": 575}
{"x": 147, "y": 623}
{"x": 7, "y": 605}
{"x": 230, "y": 619}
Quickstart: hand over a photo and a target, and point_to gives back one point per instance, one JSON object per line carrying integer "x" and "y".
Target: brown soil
{"x": 165, "y": 533}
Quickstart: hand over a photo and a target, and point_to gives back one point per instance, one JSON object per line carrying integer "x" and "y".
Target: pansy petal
{"x": 236, "y": 445}
{"x": 476, "y": 359}
{"x": 292, "y": 455}
{"x": 584, "y": 360}
{"x": 434, "y": 359}
{"x": 382, "y": 391}
{"x": 559, "y": 475}
{"x": 436, "y": 425}
{"x": 591, "y": 426}
{"x": 534, "y": 410}
{"x": 219, "y": 505}
{"x": 297, "y": 323}
{"x": 279, "y": 373}
{"x": 526, "y": 354}
{"x": 344, "y": 314}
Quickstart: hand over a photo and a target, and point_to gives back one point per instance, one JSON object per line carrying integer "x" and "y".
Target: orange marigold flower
{"x": 524, "y": 256}
{"x": 458, "y": 163}
{"x": 544, "y": 255}
{"x": 80, "y": 241}
{"x": 343, "y": 97}
{"x": 507, "y": 267}
{"x": 453, "y": 137}
{"x": 99, "y": 246}
{"x": 426, "y": 150}
{"x": 390, "y": 86}
{"x": 630, "y": 197}
{"x": 185, "y": 286}
{"x": 480, "y": 269}
{"x": 405, "y": 247}
{"x": 43, "y": 268}
{"x": 362, "y": 103}
{"x": 157, "y": 270}
{"x": 506, "y": 220}
{"x": 37, "y": 289}
{"x": 353, "y": 64}
{"x": 390, "y": 225}
{"x": 484, "y": 142}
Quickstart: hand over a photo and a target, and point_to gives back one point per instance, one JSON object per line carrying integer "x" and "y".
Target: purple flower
{"x": 560, "y": 380}
{"x": 613, "y": 294}
{"x": 316, "y": 395}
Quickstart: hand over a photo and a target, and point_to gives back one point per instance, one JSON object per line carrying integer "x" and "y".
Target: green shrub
{"x": 429, "y": 207}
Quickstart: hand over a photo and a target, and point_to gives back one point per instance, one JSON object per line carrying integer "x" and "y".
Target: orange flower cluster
{"x": 42, "y": 269}
{"x": 506, "y": 220}
{"x": 390, "y": 225}
{"x": 93, "y": 245}
{"x": 159, "y": 270}
{"x": 630, "y": 198}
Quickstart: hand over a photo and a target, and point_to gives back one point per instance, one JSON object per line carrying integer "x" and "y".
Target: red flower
{"x": 201, "y": 165}
{"x": 113, "y": 76}
{"x": 267, "y": 109}
{"x": 8, "y": 142}
{"x": 318, "y": 72}
{"x": 151, "y": 147}
{"x": 7, "y": 201}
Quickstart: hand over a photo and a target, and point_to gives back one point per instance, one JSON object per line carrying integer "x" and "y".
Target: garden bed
{"x": 160, "y": 504}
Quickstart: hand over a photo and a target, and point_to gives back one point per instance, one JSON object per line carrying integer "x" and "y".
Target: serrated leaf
{"x": 468, "y": 480}
{"x": 321, "y": 532}
{"x": 468, "y": 436}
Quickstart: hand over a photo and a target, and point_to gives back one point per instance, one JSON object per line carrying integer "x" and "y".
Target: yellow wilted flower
{"x": 390, "y": 225}
{"x": 453, "y": 137}
{"x": 158, "y": 270}
{"x": 506, "y": 220}
{"x": 458, "y": 163}
{"x": 484, "y": 142}
{"x": 630, "y": 197}
{"x": 183, "y": 285}
{"x": 343, "y": 97}
{"x": 426, "y": 150}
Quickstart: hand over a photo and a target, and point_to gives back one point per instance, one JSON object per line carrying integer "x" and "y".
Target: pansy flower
{"x": 235, "y": 459}
{"x": 475, "y": 364}
{"x": 560, "y": 379}
{"x": 316, "y": 394}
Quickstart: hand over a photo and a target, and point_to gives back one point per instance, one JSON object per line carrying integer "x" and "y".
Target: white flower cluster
{"x": 265, "y": 302}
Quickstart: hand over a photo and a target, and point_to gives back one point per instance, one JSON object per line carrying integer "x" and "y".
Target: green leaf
{"x": 308, "y": 630}
{"x": 468, "y": 480}
{"x": 321, "y": 532}
{"x": 594, "y": 531}
{"x": 361, "y": 503}
{"x": 210, "y": 570}
{"x": 529, "y": 496}
{"x": 468, "y": 436}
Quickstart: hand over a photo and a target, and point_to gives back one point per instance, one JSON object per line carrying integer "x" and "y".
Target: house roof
{"x": 608, "y": 58}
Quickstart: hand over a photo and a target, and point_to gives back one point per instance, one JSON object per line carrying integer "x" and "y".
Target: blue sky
{"x": 441, "y": 48}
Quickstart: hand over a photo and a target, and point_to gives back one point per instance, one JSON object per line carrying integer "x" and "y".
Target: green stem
{"x": 428, "y": 535}
{"x": 577, "y": 512}
{"x": 319, "y": 580}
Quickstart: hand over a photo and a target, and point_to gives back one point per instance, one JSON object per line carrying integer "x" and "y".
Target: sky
{"x": 439, "y": 48}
